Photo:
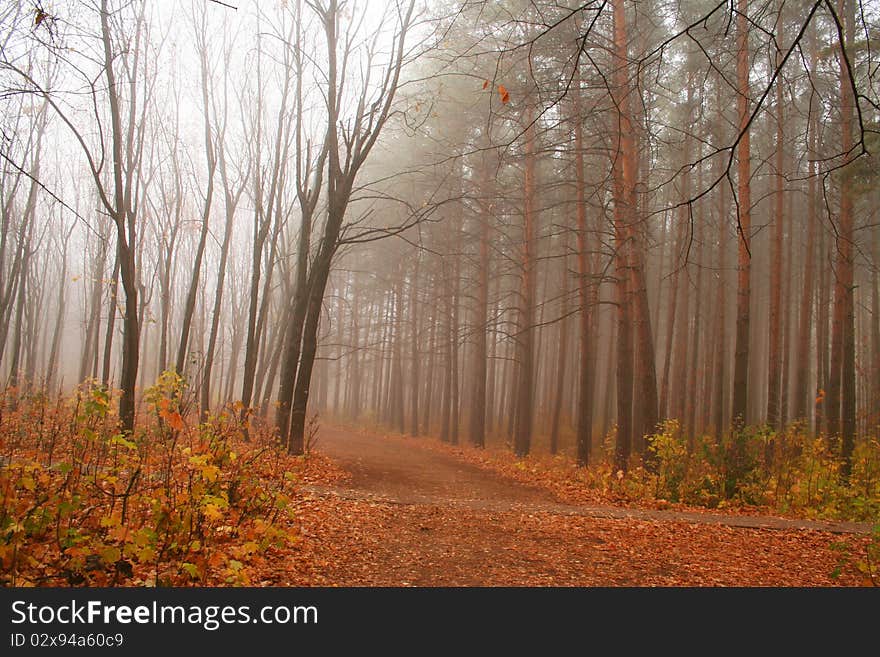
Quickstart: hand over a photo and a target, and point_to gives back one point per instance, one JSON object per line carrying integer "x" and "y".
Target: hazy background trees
{"x": 518, "y": 223}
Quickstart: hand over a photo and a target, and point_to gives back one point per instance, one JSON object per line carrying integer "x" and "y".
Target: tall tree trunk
{"x": 693, "y": 392}
{"x": 446, "y": 405}
{"x": 526, "y": 336}
{"x": 190, "y": 303}
{"x": 218, "y": 304}
{"x": 720, "y": 400}
{"x": 624, "y": 160}
{"x": 320, "y": 275}
{"x": 874, "y": 399}
{"x": 455, "y": 401}
{"x": 20, "y": 310}
{"x": 396, "y": 404}
{"x": 775, "y": 357}
{"x": 429, "y": 379}
{"x": 823, "y": 365}
{"x": 666, "y": 406}
{"x": 561, "y": 359}
{"x": 841, "y": 387}
{"x": 341, "y": 175}
{"x": 744, "y": 201}
{"x": 354, "y": 402}
{"x": 52, "y": 365}
{"x": 95, "y": 302}
{"x": 111, "y": 324}
{"x": 415, "y": 335}
{"x": 802, "y": 361}
{"x": 124, "y": 218}
{"x": 276, "y": 344}
{"x": 478, "y": 394}
{"x": 646, "y": 372}
{"x": 586, "y": 296}
{"x": 262, "y": 222}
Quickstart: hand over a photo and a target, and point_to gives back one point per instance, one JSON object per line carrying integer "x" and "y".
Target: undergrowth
{"x": 790, "y": 472}
{"x": 175, "y": 504}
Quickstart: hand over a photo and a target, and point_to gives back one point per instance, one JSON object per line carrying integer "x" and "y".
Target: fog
{"x": 518, "y": 224}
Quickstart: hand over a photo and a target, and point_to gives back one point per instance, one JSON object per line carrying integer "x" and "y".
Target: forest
{"x": 269, "y": 267}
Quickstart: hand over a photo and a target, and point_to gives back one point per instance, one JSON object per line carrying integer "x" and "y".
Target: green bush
{"x": 789, "y": 471}
{"x": 684, "y": 472}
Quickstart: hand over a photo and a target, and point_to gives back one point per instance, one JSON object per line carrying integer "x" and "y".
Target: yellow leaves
{"x": 214, "y": 507}
{"x": 250, "y": 547}
{"x": 110, "y": 554}
{"x": 97, "y": 403}
{"x": 15, "y": 528}
{"x": 192, "y": 570}
{"x": 145, "y": 554}
{"x": 110, "y": 521}
{"x": 119, "y": 439}
{"x": 141, "y": 537}
{"x": 208, "y": 471}
{"x": 212, "y": 512}
{"x": 184, "y": 500}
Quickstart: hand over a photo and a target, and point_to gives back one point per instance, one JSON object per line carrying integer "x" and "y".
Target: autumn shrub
{"x": 740, "y": 462}
{"x": 865, "y": 561}
{"x": 683, "y": 471}
{"x": 175, "y": 503}
{"x": 864, "y": 482}
{"x": 804, "y": 474}
{"x": 789, "y": 470}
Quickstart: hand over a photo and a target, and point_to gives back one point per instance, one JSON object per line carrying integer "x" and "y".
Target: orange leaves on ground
{"x": 354, "y": 537}
{"x": 485, "y": 84}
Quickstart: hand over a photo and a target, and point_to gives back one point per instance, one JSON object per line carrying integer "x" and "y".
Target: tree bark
{"x": 526, "y": 337}
{"x": 744, "y": 200}
{"x": 586, "y": 297}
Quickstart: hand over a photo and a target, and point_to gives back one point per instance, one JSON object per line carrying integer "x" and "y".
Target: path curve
{"x": 413, "y": 515}
{"x": 398, "y": 470}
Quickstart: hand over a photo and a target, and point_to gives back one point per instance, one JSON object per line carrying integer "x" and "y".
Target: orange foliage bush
{"x": 175, "y": 504}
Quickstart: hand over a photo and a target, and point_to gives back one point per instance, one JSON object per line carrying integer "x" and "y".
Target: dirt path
{"x": 415, "y": 516}
{"x": 398, "y": 471}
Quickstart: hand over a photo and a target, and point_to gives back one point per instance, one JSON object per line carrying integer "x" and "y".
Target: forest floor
{"x": 396, "y": 511}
